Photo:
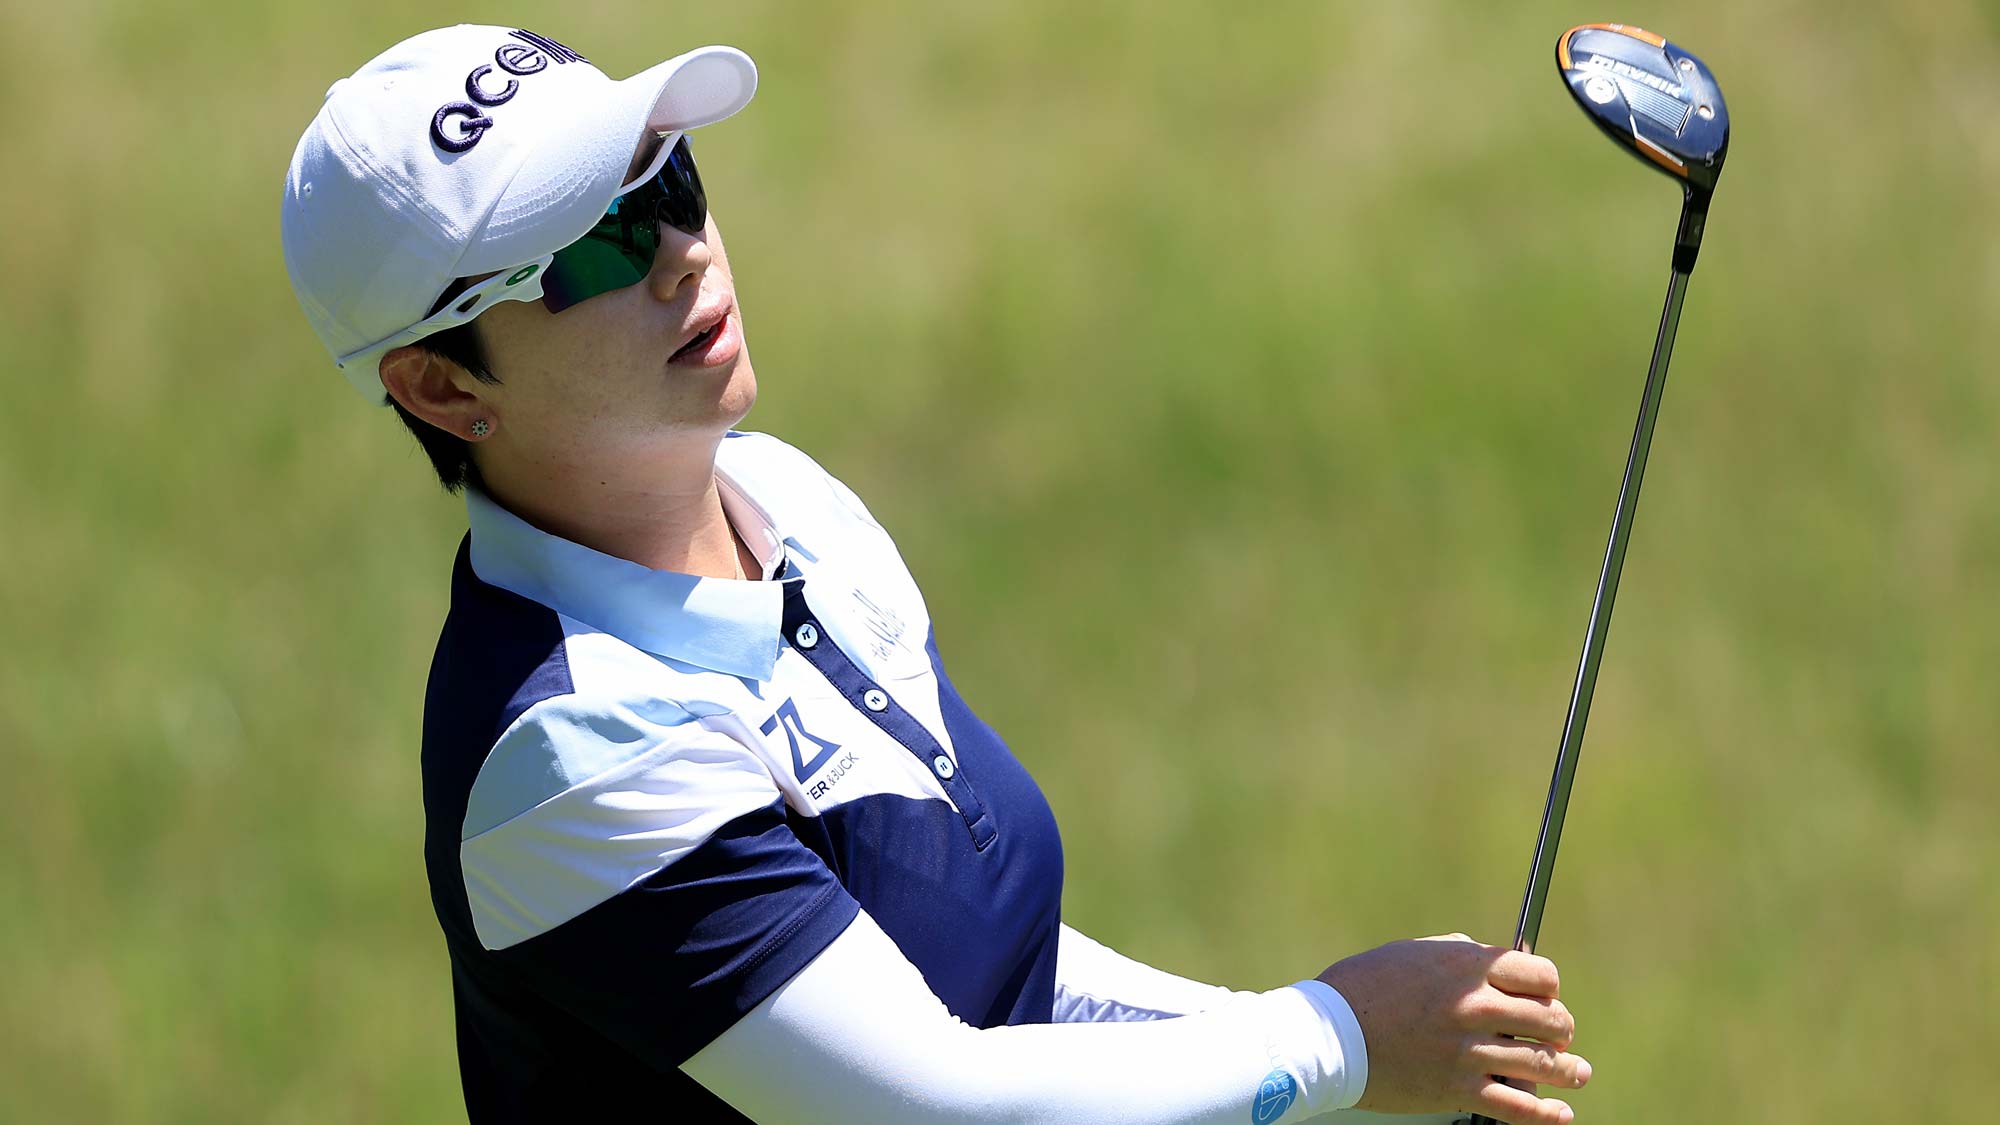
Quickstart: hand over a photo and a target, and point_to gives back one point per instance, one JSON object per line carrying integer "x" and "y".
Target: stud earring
{"x": 479, "y": 428}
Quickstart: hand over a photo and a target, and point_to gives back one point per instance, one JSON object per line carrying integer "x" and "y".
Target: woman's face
{"x": 599, "y": 389}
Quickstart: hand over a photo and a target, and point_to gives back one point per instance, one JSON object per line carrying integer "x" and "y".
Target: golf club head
{"x": 1655, "y": 99}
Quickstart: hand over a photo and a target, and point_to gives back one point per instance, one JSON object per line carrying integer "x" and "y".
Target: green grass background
{"x": 1248, "y": 386}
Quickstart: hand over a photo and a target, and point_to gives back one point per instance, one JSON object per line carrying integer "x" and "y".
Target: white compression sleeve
{"x": 857, "y": 1036}
{"x": 1096, "y": 984}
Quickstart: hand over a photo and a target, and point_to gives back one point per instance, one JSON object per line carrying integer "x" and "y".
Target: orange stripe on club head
{"x": 1639, "y": 33}
{"x": 1661, "y": 157}
{"x": 1635, "y": 32}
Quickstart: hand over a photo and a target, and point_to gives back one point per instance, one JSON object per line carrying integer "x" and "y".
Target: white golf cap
{"x": 464, "y": 151}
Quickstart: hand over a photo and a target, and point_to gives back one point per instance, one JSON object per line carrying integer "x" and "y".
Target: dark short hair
{"x": 450, "y": 454}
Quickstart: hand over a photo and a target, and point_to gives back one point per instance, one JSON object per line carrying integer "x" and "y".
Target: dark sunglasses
{"x": 615, "y": 253}
{"x": 619, "y": 250}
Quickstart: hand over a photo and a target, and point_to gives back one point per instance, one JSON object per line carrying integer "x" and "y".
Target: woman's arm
{"x": 1096, "y": 984}
{"x": 857, "y": 1036}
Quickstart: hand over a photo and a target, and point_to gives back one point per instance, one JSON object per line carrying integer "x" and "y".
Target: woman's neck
{"x": 673, "y": 519}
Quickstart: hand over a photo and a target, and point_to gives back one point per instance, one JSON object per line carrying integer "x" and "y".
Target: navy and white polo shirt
{"x": 652, "y": 798}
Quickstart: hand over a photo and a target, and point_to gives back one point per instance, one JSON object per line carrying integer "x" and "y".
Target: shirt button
{"x": 943, "y": 767}
{"x": 875, "y": 699}
{"x": 807, "y": 636}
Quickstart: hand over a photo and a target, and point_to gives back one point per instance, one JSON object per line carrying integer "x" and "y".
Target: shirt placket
{"x": 808, "y": 637}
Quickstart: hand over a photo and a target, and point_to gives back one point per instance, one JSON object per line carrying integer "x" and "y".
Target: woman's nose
{"x": 681, "y": 257}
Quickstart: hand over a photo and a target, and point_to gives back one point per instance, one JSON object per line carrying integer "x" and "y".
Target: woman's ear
{"x": 436, "y": 390}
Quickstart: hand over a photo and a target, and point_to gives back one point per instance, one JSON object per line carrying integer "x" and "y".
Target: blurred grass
{"x": 1247, "y": 385}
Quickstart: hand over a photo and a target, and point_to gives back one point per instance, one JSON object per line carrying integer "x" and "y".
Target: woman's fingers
{"x": 1440, "y": 1024}
{"x": 1502, "y": 1102}
{"x": 1546, "y": 1020}
{"x": 1492, "y": 1012}
{"x": 1524, "y": 974}
{"x": 1538, "y": 1063}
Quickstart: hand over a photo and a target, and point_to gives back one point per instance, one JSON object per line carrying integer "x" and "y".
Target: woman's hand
{"x": 1443, "y": 1016}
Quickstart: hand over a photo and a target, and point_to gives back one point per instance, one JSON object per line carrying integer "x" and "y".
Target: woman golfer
{"x": 710, "y": 833}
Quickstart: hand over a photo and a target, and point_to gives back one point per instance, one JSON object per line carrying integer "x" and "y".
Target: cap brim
{"x": 563, "y": 187}
{"x": 689, "y": 91}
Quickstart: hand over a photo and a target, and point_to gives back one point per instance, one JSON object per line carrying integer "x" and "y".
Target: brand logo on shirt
{"x": 833, "y": 776}
{"x": 788, "y": 714}
{"x": 1275, "y": 1095}
{"x": 883, "y": 622}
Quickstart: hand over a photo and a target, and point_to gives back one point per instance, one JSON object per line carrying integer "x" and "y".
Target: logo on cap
{"x": 467, "y": 120}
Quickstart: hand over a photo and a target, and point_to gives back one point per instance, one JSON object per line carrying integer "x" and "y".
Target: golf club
{"x": 1661, "y": 104}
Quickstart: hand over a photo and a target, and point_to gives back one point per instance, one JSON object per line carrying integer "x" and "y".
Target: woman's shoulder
{"x": 593, "y": 703}
{"x": 502, "y": 656}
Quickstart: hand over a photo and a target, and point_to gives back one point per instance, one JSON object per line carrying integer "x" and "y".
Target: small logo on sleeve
{"x": 1275, "y": 1095}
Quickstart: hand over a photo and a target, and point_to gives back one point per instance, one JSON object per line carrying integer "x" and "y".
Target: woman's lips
{"x": 712, "y": 348}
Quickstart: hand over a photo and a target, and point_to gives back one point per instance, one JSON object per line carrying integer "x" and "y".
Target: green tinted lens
{"x": 619, "y": 250}
{"x": 612, "y": 256}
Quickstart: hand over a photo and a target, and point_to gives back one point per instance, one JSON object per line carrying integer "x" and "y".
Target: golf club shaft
{"x": 1543, "y": 869}
{"x": 1529, "y": 929}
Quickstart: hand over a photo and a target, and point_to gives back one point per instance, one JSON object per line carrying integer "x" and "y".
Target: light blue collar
{"x": 716, "y": 623}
